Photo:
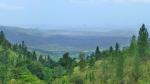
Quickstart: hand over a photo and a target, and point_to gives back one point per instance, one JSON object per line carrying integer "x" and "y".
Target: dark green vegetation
{"x": 128, "y": 65}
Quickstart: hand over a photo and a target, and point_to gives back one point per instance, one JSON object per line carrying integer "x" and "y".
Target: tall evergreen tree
{"x": 66, "y": 61}
{"x": 41, "y": 59}
{"x": 133, "y": 43}
{"x": 111, "y": 49}
{"x": 2, "y": 37}
{"x": 22, "y": 44}
{"x": 3, "y": 41}
{"x": 117, "y": 47}
{"x": 34, "y": 56}
{"x": 97, "y": 53}
{"x": 143, "y": 40}
{"x": 111, "y": 52}
{"x": 136, "y": 60}
{"x": 50, "y": 62}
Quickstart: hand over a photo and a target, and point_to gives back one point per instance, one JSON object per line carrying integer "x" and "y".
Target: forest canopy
{"x": 116, "y": 65}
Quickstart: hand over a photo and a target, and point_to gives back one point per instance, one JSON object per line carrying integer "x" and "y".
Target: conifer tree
{"x": 50, "y": 62}
{"x": 143, "y": 41}
{"x": 3, "y": 41}
{"x": 66, "y": 61}
{"x": 2, "y": 37}
{"x": 97, "y": 53}
{"x": 111, "y": 49}
{"x": 119, "y": 63}
{"x": 34, "y": 56}
{"x": 41, "y": 59}
{"x": 133, "y": 43}
{"x": 117, "y": 47}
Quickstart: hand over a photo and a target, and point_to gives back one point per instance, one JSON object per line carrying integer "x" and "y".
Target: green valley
{"x": 116, "y": 65}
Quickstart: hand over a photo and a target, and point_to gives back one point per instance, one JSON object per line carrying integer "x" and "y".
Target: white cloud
{"x": 4, "y": 6}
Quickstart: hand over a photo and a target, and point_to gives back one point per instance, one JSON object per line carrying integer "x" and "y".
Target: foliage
{"x": 130, "y": 65}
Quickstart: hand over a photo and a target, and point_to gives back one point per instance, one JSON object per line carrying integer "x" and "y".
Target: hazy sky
{"x": 74, "y": 12}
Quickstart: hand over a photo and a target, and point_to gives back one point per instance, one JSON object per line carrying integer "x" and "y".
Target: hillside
{"x": 13, "y": 63}
{"x": 130, "y": 65}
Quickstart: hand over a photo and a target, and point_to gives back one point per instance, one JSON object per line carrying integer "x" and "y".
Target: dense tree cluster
{"x": 116, "y": 65}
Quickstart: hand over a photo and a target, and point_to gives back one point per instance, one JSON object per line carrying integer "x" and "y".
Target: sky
{"x": 74, "y": 13}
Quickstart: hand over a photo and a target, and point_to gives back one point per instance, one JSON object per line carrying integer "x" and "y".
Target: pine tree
{"x": 119, "y": 59}
{"x": 2, "y": 37}
{"x": 3, "y": 41}
{"x": 41, "y": 59}
{"x": 97, "y": 53}
{"x": 133, "y": 42}
{"x": 66, "y": 61}
{"x": 34, "y": 56}
{"x": 117, "y": 47}
{"x": 142, "y": 44}
{"x": 49, "y": 62}
{"x": 111, "y": 49}
{"x": 143, "y": 41}
{"x": 23, "y": 48}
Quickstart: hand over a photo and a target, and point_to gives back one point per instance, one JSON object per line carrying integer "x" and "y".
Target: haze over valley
{"x": 55, "y": 42}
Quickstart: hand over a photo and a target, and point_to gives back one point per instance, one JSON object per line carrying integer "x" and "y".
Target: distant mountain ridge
{"x": 63, "y": 40}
